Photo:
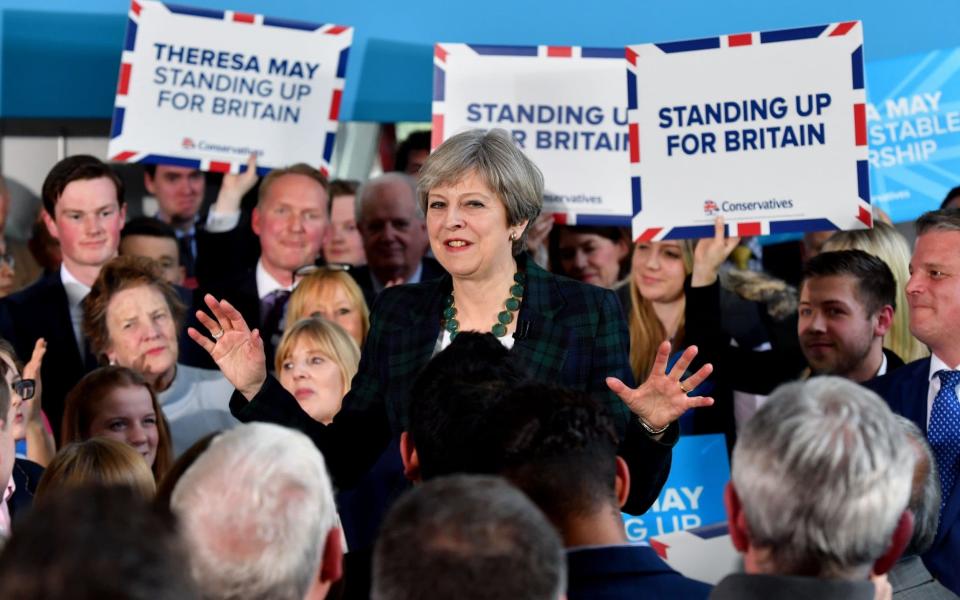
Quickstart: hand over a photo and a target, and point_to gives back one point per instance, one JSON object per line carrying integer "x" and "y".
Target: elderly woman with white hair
{"x": 479, "y": 194}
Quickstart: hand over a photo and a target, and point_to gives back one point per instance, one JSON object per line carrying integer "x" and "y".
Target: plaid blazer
{"x": 568, "y": 333}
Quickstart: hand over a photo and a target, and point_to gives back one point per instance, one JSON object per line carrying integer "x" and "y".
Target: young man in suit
{"x": 83, "y": 208}
{"x": 925, "y": 391}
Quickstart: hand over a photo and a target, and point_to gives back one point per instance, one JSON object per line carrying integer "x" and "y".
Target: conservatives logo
{"x": 188, "y": 144}
{"x": 710, "y": 208}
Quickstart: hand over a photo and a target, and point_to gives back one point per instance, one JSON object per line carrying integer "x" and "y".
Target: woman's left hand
{"x": 662, "y": 398}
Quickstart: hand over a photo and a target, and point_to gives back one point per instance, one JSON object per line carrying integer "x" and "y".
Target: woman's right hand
{"x": 236, "y": 350}
{"x": 709, "y": 254}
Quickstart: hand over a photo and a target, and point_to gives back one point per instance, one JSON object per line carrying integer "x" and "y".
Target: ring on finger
{"x": 219, "y": 334}
{"x": 684, "y": 388}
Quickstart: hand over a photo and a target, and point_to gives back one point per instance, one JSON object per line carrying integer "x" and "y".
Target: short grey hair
{"x": 823, "y": 472}
{"x": 471, "y": 537}
{"x": 365, "y": 192}
{"x": 255, "y": 510}
{"x": 503, "y": 167}
{"x": 945, "y": 219}
{"x": 924, "y": 493}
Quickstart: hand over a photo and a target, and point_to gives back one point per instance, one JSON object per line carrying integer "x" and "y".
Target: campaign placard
{"x": 566, "y": 109}
{"x": 913, "y": 119}
{"x": 767, "y": 129}
{"x": 206, "y": 88}
{"x": 692, "y": 496}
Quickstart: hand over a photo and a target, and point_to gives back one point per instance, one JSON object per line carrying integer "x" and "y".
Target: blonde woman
{"x": 334, "y": 295}
{"x": 101, "y": 461}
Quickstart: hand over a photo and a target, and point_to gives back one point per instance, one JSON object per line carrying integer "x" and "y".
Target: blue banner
{"x": 693, "y": 494}
{"x": 913, "y": 120}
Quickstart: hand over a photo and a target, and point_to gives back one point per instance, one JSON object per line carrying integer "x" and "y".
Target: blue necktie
{"x": 944, "y": 432}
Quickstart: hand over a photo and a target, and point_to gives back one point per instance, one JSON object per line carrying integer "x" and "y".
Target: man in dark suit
{"x": 84, "y": 210}
{"x": 560, "y": 448}
{"x": 290, "y": 221}
{"x": 394, "y": 235}
{"x": 925, "y": 391}
{"x": 179, "y": 194}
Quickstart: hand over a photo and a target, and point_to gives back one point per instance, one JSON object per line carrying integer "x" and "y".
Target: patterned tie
{"x": 944, "y": 432}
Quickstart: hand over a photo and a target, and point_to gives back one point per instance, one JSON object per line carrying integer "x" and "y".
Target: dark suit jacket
{"x": 41, "y": 310}
{"x": 905, "y": 390}
{"x": 26, "y": 476}
{"x": 241, "y": 292}
{"x": 568, "y": 333}
{"x": 625, "y": 573}
{"x": 741, "y": 586}
{"x": 431, "y": 270}
{"x": 224, "y": 256}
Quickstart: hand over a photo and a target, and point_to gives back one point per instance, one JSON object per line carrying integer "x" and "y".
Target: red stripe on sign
{"x": 243, "y": 17}
{"x": 124, "y": 83}
{"x": 337, "y": 30}
{"x": 335, "y": 105}
{"x": 740, "y": 39}
{"x": 649, "y": 234}
{"x": 660, "y": 548}
{"x": 123, "y": 156}
{"x": 219, "y": 167}
{"x": 843, "y": 28}
{"x": 748, "y": 229}
{"x": 860, "y": 124}
{"x": 865, "y": 217}
{"x": 436, "y": 137}
{"x": 440, "y": 53}
{"x": 135, "y": 8}
{"x": 634, "y": 142}
{"x": 632, "y": 57}
{"x": 560, "y": 218}
{"x": 560, "y": 51}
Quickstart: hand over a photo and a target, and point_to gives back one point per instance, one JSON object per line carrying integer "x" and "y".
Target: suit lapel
{"x": 540, "y": 342}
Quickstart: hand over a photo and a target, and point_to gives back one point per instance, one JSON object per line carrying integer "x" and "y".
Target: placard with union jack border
{"x": 206, "y": 88}
{"x": 566, "y": 109}
{"x": 767, "y": 129}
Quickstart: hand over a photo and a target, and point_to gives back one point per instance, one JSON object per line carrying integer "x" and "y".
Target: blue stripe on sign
{"x": 631, "y": 90}
{"x": 291, "y": 24}
{"x": 686, "y": 233}
{"x": 504, "y": 50}
{"x": 801, "y": 225}
{"x": 328, "y": 146}
{"x": 863, "y": 181}
{"x": 856, "y": 64}
{"x": 261, "y": 171}
{"x": 194, "y": 11}
{"x": 176, "y": 161}
{"x": 603, "y": 220}
{"x": 635, "y": 192}
{"x": 117, "y": 127}
{"x": 131, "y": 39}
{"x": 789, "y": 35}
{"x": 602, "y": 52}
{"x": 688, "y": 45}
{"x": 342, "y": 63}
{"x": 439, "y": 83}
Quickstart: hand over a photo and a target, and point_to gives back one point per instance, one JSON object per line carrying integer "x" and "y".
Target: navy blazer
{"x": 905, "y": 390}
{"x": 624, "y": 573}
{"x": 568, "y": 333}
{"x": 42, "y": 310}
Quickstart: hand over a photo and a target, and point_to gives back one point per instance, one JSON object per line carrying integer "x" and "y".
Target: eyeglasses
{"x": 25, "y": 388}
{"x": 308, "y": 269}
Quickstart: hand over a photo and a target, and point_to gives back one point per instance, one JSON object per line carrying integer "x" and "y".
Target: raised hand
{"x": 235, "y": 186}
{"x": 32, "y": 371}
{"x": 236, "y": 349}
{"x": 710, "y": 253}
{"x": 662, "y": 398}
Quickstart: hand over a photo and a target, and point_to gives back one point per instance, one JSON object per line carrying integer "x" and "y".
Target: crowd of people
{"x": 419, "y": 386}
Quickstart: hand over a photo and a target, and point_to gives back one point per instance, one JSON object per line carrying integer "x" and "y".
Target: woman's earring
{"x": 513, "y": 236}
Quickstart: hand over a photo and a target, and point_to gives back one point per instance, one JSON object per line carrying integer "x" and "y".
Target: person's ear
{"x": 148, "y": 183}
{"x": 255, "y": 219}
{"x": 622, "y": 485}
{"x": 736, "y": 521}
{"x": 408, "y": 455}
{"x": 51, "y": 225}
{"x": 623, "y": 249}
{"x": 884, "y": 321}
{"x": 331, "y": 569}
{"x": 898, "y": 543}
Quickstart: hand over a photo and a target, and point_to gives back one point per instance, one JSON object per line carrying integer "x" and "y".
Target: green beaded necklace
{"x": 504, "y": 317}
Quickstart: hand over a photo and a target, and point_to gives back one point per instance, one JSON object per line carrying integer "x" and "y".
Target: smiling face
{"x": 127, "y": 415}
{"x": 344, "y": 245}
{"x": 658, "y": 270}
{"x": 467, "y": 225}
{"x": 333, "y": 304}
{"x": 291, "y": 221}
{"x": 87, "y": 222}
{"x": 142, "y": 332}
{"x": 314, "y": 379}
{"x": 392, "y": 231}
{"x": 591, "y": 258}
{"x": 933, "y": 292}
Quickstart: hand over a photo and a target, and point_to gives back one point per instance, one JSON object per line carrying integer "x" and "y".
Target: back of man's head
{"x": 821, "y": 475}
{"x": 467, "y": 537}
{"x": 258, "y": 515}
{"x": 94, "y": 542}
{"x": 449, "y": 401}
{"x": 924, "y": 491}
